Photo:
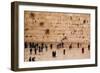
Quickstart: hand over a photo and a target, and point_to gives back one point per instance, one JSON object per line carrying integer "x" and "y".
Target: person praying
{"x": 54, "y": 54}
{"x": 64, "y": 51}
{"x": 30, "y": 59}
{"x": 30, "y": 50}
{"x": 26, "y": 45}
{"x": 82, "y": 50}
{"x": 33, "y": 59}
{"x": 51, "y": 46}
{"x": 70, "y": 47}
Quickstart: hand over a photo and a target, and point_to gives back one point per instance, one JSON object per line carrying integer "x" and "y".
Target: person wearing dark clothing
{"x": 64, "y": 51}
{"x": 88, "y": 47}
{"x": 51, "y": 46}
{"x": 30, "y": 50}
{"x": 30, "y": 59}
{"x": 33, "y": 59}
{"x": 30, "y": 45}
{"x": 42, "y": 44}
{"x": 70, "y": 47}
{"x": 39, "y": 49}
{"x": 46, "y": 47}
{"x": 82, "y": 50}
{"x": 78, "y": 45}
{"x": 35, "y": 51}
{"x": 54, "y": 54}
{"x": 26, "y": 45}
{"x": 36, "y": 45}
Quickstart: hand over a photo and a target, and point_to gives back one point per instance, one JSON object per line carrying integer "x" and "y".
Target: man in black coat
{"x": 30, "y": 59}
{"x": 30, "y": 50}
{"x": 26, "y": 45}
{"x": 54, "y": 54}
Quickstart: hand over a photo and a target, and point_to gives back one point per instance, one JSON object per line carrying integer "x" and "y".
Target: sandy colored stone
{"x": 52, "y": 27}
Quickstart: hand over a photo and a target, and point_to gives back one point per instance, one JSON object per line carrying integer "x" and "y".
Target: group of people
{"x": 41, "y": 47}
{"x": 36, "y": 47}
{"x": 31, "y": 59}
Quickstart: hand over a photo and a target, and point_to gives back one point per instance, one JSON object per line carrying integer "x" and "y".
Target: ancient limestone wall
{"x": 55, "y": 27}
